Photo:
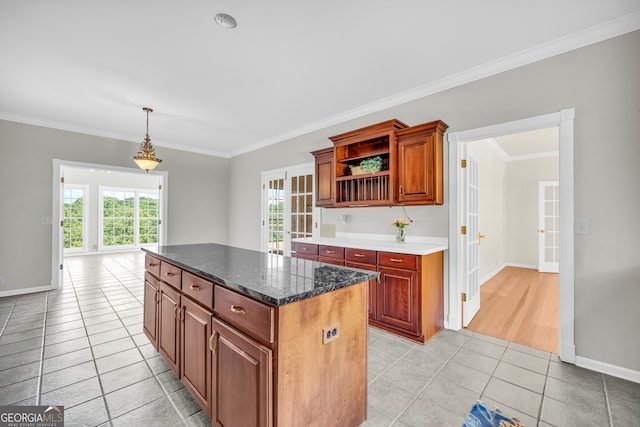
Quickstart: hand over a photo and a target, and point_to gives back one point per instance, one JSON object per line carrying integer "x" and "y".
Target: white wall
{"x": 197, "y": 194}
{"x": 93, "y": 179}
{"x": 601, "y": 82}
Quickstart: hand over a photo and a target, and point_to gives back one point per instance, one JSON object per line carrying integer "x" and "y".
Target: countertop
{"x": 424, "y": 246}
{"x": 274, "y": 279}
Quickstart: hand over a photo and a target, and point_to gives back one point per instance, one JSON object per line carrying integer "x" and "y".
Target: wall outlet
{"x": 330, "y": 333}
{"x": 2, "y": 280}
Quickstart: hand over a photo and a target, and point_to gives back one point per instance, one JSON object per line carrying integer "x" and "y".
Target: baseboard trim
{"x": 511, "y": 264}
{"x": 24, "y": 291}
{"x": 489, "y": 276}
{"x": 609, "y": 369}
{"x": 567, "y": 353}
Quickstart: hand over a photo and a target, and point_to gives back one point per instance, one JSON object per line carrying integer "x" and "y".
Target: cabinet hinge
{"x": 463, "y": 229}
{"x": 61, "y": 267}
{"x": 62, "y": 179}
{"x": 463, "y": 163}
{"x": 159, "y": 222}
{"x": 62, "y": 223}
{"x": 464, "y": 297}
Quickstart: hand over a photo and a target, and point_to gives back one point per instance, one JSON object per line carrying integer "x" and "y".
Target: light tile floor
{"x": 83, "y": 347}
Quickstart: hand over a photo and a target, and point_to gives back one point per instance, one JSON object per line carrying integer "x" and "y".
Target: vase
{"x": 399, "y": 234}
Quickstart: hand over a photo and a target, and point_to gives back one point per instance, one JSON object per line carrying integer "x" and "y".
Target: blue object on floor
{"x": 480, "y": 416}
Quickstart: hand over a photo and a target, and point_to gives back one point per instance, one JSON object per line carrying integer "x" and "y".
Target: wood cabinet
{"x": 324, "y": 175}
{"x": 407, "y": 298}
{"x": 196, "y": 328}
{"x": 420, "y": 168}
{"x": 411, "y": 171}
{"x": 168, "y": 327}
{"x": 307, "y": 251}
{"x": 151, "y": 308}
{"x": 242, "y": 379}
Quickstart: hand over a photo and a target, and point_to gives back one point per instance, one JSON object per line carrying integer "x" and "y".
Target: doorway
{"x": 458, "y": 284}
{"x": 146, "y": 204}
{"x": 288, "y": 210}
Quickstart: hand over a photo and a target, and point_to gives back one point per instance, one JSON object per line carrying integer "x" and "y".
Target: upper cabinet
{"x": 388, "y": 163}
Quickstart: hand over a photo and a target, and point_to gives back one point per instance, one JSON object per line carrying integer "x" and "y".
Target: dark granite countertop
{"x": 274, "y": 279}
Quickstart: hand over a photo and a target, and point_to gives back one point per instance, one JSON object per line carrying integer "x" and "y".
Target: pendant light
{"x": 146, "y": 158}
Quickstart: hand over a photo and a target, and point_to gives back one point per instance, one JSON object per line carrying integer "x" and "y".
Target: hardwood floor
{"x": 520, "y": 305}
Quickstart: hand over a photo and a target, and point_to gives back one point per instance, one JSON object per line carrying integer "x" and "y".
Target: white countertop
{"x": 414, "y": 245}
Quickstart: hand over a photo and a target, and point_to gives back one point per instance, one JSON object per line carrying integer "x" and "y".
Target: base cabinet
{"x": 151, "y": 309}
{"x": 168, "y": 330}
{"x": 242, "y": 379}
{"x": 397, "y": 303}
{"x": 196, "y": 328}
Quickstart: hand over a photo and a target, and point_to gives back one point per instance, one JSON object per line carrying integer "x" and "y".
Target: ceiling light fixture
{"x": 146, "y": 158}
{"x": 226, "y": 21}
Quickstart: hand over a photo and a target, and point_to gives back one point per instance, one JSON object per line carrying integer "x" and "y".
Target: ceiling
{"x": 527, "y": 145}
{"x": 290, "y": 67}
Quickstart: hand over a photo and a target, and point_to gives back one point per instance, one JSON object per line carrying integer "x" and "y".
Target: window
{"x": 74, "y": 217}
{"x": 128, "y": 218}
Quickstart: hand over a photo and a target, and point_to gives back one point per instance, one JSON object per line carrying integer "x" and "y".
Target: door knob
{"x": 542, "y": 231}
{"x": 480, "y": 236}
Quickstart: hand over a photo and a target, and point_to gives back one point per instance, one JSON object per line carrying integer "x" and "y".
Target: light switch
{"x": 582, "y": 227}
{"x": 46, "y": 220}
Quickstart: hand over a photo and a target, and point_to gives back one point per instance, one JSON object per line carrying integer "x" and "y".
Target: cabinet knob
{"x": 395, "y": 260}
{"x": 194, "y": 287}
{"x": 170, "y": 274}
{"x": 359, "y": 255}
{"x": 153, "y": 264}
{"x": 238, "y": 310}
{"x": 331, "y": 252}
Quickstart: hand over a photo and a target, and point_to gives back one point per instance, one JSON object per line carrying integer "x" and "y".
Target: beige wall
{"x": 601, "y": 82}
{"x": 197, "y": 185}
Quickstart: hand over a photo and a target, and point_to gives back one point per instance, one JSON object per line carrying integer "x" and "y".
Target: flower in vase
{"x": 400, "y": 222}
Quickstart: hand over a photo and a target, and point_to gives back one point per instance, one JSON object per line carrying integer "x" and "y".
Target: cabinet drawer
{"x": 170, "y": 274}
{"x": 197, "y": 288}
{"x": 331, "y": 251}
{"x": 391, "y": 259}
{"x": 329, "y": 260}
{"x": 363, "y": 256}
{"x": 244, "y": 313}
{"x": 152, "y": 265}
{"x": 306, "y": 248}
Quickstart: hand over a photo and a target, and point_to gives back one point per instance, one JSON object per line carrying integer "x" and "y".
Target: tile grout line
{"x": 166, "y": 393}
{"x": 6, "y": 322}
{"x": 544, "y": 389}
{"x": 93, "y": 356}
{"x": 606, "y": 399}
{"x": 428, "y": 382}
{"x": 40, "y": 369}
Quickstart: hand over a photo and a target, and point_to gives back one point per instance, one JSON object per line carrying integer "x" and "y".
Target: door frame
{"x": 57, "y": 250}
{"x": 564, "y": 121}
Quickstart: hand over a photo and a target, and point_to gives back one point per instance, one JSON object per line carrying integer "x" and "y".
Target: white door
{"x": 471, "y": 239}
{"x": 548, "y": 226}
{"x": 287, "y": 207}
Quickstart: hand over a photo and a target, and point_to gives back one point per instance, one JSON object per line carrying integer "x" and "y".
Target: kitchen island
{"x": 261, "y": 339}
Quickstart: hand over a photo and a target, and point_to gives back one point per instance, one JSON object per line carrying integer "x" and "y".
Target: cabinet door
{"x": 169, "y": 332}
{"x": 398, "y": 299}
{"x": 416, "y": 173}
{"x": 150, "y": 317}
{"x": 242, "y": 379}
{"x": 197, "y": 325}
{"x": 324, "y": 177}
{"x": 373, "y": 287}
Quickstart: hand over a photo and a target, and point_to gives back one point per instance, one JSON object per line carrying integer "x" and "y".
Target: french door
{"x": 471, "y": 239}
{"x": 288, "y": 211}
{"x": 548, "y": 226}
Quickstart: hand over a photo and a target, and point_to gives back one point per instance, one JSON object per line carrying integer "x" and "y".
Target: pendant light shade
{"x": 146, "y": 157}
